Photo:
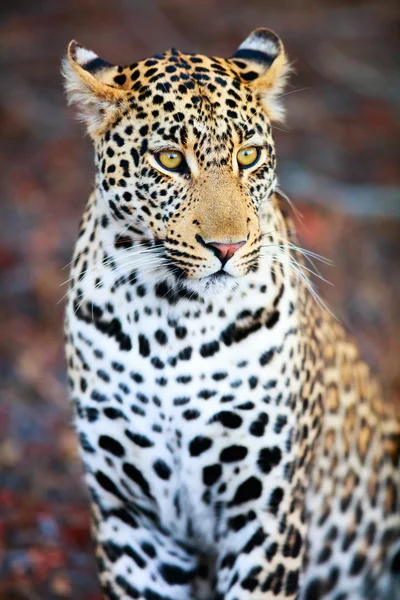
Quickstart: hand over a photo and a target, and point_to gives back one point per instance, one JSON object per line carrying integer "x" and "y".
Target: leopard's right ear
{"x": 94, "y": 85}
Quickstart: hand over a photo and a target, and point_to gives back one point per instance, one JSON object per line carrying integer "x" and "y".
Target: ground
{"x": 338, "y": 162}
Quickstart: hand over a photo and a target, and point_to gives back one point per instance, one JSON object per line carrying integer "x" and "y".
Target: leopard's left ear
{"x": 262, "y": 63}
{"x": 97, "y": 87}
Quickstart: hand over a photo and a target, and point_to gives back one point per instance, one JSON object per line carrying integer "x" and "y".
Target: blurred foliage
{"x": 338, "y": 161}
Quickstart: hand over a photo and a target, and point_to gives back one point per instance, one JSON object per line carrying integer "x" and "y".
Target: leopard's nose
{"x": 222, "y": 251}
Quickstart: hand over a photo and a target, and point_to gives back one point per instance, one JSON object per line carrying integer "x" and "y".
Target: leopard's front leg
{"x": 137, "y": 558}
{"x": 259, "y": 558}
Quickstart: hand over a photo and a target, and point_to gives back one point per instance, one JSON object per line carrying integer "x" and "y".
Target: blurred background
{"x": 338, "y": 162}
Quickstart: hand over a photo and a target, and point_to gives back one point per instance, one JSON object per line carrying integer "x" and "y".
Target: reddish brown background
{"x": 339, "y": 164}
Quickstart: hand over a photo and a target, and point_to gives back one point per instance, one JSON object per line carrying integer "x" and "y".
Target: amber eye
{"x": 247, "y": 157}
{"x": 170, "y": 159}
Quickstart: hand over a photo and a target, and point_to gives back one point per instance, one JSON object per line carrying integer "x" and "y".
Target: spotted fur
{"x": 235, "y": 446}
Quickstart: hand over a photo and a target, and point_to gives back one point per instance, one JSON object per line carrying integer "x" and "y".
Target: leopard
{"x": 234, "y": 444}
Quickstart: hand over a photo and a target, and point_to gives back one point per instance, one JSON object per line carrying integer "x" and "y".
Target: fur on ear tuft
{"x": 263, "y": 65}
{"x": 89, "y": 83}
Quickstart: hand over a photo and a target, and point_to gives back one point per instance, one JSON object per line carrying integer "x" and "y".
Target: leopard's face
{"x": 185, "y": 155}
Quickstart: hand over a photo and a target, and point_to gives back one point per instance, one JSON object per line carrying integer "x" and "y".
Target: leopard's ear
{"x": 262, "y": 63}
{"x": 94, "y": 85}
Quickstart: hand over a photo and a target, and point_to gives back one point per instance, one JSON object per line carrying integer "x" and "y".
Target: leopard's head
{"x": 184, "y": 152}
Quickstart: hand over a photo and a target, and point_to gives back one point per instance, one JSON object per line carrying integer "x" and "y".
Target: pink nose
{"x": 224, "y": 251}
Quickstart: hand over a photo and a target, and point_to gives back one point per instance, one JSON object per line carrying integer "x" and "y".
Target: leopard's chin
{"x": 212, "y": 285}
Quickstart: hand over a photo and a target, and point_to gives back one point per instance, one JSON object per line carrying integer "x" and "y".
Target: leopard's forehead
{"x": 191, "y": 87}
{"x": 184, "y": 73}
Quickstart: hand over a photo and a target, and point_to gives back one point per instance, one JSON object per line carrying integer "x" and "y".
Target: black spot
{"x": 161, "y": 337}
{"x": 268, "y": 458}
{"x": 157, "y": 363}
{"x": 271, "y": 551}
{"x": 144, "y": 346}
{"x": 130, "y": 591}
{"x": 250, "y": 489}
{"x": 112, "y": 551}
{"x": 120, "y": 79}
{"x": 148, "y": 549}
{"x": 114, "y": 413}
{"x": 280, "y": 423}
{"x": 292, "y": 582}
{"x": 181, "y": 400}
{"x": 162, "y": 469}
{"x": 135, "y": 75}
{"x": 293, "y": 543}
{"x": 184, "y": 379}
{"x": 135, "y": 156}
{"x": 95, "y": 395}
{"x": 85, "y": 444}
{"x": 206, "y": 394}
{"x": 266, "y": 357}
{"x": 348, "y": 540}
{"x": 237, "y": 523}
{"x": 117, "y": 367}
{"x": 253, "y": 382}
{"x": 199, "y": 444}
{"x": 209, "y": 349}
{"x": 395, "y": 563}
{"x": 103, "y": 375}
{"x": 174, "y": 575}
{"x": 118, "y": 139}
{"x": 233, "y": 454}
{"x": 105, "y": 482}
{"x": 233, "y": 334}
{"x": 219, "y": 376}
{"x": 180, "y": 332}
{"x": 314, "y": 590}
{"x": 357, "y": 564}
{"x": 256, "y": 540}
{"x": 135, "y": 475}
{"x": 125, "y": 516}
{"x": 257, "y": 427}
{"x": 272, "y": 320}
{"x": 325, "y": 554}
{"x": 228, "y": 561}
{"x": 249, "y": 583}
{"x": 137, "y": 410}
{"x": 111, "y": 445}
{"x": 185, "y": 354}
{"x": 190, "y": 414}
{"x": 211, "y": 474}
{"x": 227, "y": 398}
{"x": 140, "y": 440}
{"x": 92, "y": 414}
{"x": 246, "y": 405}
{"x": 249, "y": 76}
{"x": 228, "y": 419}
{"x": 275, "y": 500}
{"x": 221, "y": 81}
{"x": 137, "y": 378}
